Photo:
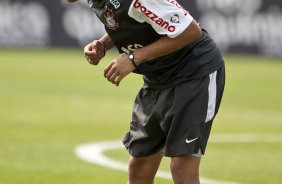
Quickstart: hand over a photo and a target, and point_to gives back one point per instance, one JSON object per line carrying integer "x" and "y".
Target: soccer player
{"x": 183, "y": 75}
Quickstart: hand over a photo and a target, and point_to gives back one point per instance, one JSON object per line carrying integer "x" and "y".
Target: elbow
{"x": 195, "y": 31}
{"x": 198, "y": 32}
{"x": 191, "y": 34}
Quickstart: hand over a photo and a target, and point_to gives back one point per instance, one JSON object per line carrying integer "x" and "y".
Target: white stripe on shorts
{"x": 212, "y": 97}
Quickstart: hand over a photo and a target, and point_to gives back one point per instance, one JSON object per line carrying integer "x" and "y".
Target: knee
{"x": 137, "y": 164}
{"x": 134, "y": 165}
{"x": 184, "y": 171}
{"x": 139, "y": 171}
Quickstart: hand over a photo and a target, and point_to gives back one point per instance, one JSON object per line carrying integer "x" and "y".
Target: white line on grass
{"x": 246, "y": 138}
{"x": 94, "y": 152}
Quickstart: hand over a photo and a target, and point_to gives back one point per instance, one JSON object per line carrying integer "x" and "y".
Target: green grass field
{"x": 52, "y": 100}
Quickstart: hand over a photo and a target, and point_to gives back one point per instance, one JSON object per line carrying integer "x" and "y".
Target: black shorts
{"x": 177, "y": 120}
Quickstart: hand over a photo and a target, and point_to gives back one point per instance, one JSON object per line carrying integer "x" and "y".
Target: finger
{"x": 110, "y": 74}
{"x": 91, "y": 50}
{"x": 113, "y": 77}
{"x": 87, "y": 58}
{"x": 88, "y": 48}
{"x": 93, "y": 61}
{"x": 89, "y": 54}
{"x": 94, "y": 44}
{"x": 94, "y": 50}
{"x": 94, "y": 47}
{"x": 99, "y": 47}
{"x": 92, "y": 58}
{"x": 118, "y": 79}
{"x": 107, "y": 69}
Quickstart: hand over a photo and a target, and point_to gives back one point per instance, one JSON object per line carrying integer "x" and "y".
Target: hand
{"x": 118, "y": 69}
{"x": 94, "y": 52}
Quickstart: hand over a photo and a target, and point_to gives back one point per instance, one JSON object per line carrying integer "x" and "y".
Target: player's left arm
{"x": 166, "y": 45}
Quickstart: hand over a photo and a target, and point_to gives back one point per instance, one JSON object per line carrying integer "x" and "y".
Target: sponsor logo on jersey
{"x": 131, "y": 48}
{"x": 152, "y": 16}
{"x": 109, "y": 16}
{"x": 175, "y": 3}
{"x": 115, "y": 3}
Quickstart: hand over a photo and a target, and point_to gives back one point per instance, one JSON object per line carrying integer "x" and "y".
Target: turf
{"x": 52, "y": 100}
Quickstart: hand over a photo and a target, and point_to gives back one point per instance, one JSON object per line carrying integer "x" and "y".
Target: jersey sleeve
{"x": 167, "y": 17}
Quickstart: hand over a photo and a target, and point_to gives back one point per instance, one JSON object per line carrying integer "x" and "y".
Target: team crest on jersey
{"x": 175, "y": 18}
{"x": 110, "y": 21}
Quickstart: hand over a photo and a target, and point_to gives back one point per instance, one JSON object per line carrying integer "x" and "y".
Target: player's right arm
{"x": 96, "y": 50}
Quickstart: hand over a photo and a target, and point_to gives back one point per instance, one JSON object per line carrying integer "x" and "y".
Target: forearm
{"x": 166, "y": 45}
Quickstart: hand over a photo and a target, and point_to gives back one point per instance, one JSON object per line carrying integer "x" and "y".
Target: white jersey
{"x": 167, "y": 17}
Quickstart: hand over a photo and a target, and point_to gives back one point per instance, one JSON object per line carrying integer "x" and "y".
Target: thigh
{"x": 186, "y": 163}
{"x": 145, "y": 136}
{"x": 189, "y": 120}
